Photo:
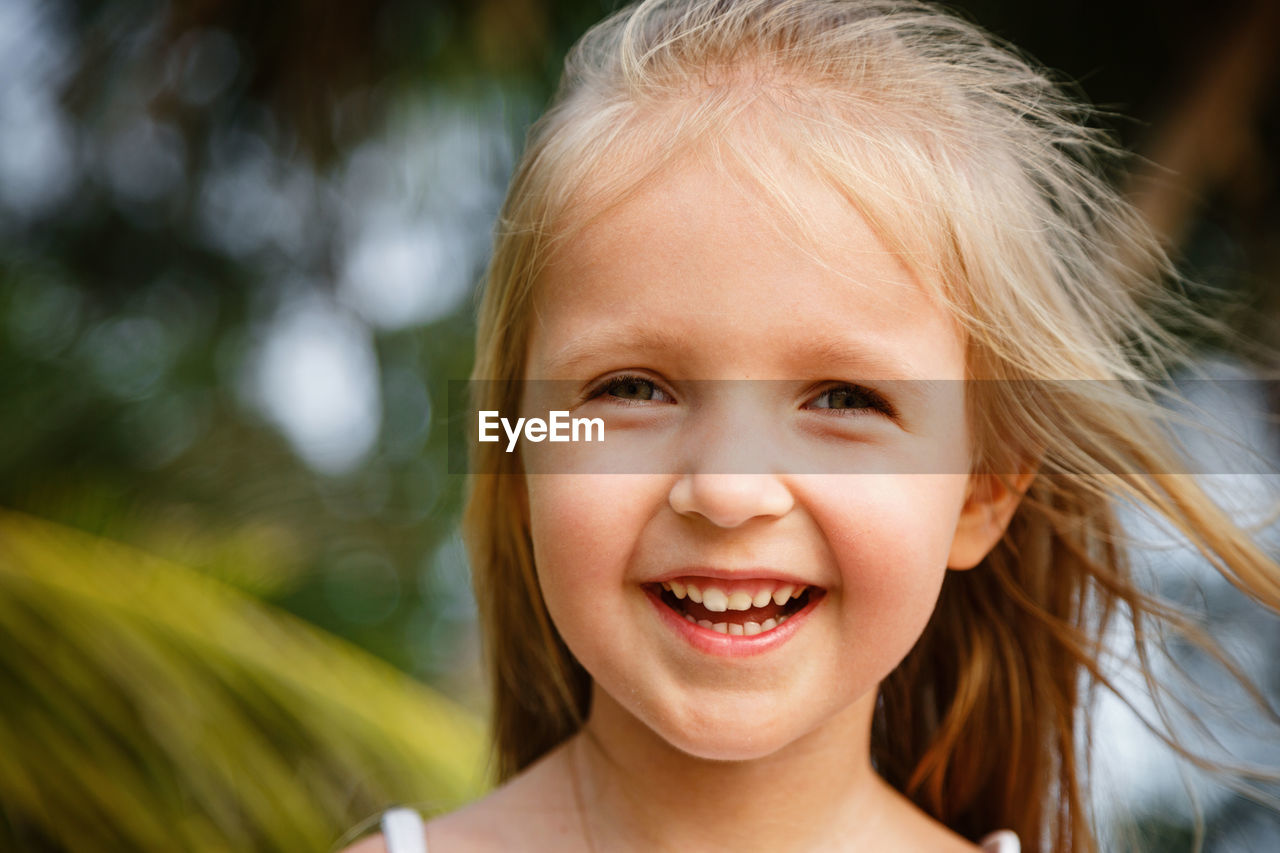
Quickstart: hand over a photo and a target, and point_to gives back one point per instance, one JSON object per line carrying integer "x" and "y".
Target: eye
{"x": 853, "y": 399}
{"x": 631, "y": 389}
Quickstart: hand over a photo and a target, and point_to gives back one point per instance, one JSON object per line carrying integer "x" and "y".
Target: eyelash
{"x": 601, "y": 387}
{"x": 875, "y": 401}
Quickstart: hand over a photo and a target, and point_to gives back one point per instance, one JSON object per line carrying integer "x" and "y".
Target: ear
{"x": 988, "y": 507}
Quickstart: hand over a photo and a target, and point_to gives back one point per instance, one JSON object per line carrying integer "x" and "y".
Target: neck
{"x": 637, "y": 791}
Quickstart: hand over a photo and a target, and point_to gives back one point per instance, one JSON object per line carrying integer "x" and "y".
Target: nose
{"x": 730, "y": 500}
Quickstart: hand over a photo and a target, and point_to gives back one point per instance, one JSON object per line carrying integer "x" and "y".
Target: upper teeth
{"x": 718, "y": 600}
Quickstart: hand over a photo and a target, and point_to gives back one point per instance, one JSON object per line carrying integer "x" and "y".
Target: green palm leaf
{"x": 145, "y": 706}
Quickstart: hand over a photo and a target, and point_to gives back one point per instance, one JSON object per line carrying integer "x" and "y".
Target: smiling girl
{"x": 867, "y": 333}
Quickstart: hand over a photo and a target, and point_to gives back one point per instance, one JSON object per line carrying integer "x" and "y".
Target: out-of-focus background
{"x": 238, "y": 247}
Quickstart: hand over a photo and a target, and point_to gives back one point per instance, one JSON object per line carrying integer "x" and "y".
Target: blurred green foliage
{"x": 161, "y": 709}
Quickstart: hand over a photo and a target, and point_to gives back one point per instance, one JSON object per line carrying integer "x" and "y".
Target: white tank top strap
{"x": 403, "y": 831}
{"x": 1003, "y": 841}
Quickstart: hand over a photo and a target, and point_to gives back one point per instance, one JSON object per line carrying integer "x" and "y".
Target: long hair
{"x": 987, "y": 180}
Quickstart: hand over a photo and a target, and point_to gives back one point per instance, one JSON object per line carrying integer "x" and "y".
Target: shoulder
{"x": 1003, "y": 841}
{"x": 508, "y": 818}
{"x": 534, "y": 811}
{"x": 904, "y": 826}
{"x": 526, "y": 813}
{"x": 403, "y": 831}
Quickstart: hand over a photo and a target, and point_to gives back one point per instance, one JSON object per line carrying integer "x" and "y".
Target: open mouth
{"x": 739, "y": 609}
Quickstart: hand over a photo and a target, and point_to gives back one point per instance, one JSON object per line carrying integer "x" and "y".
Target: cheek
{"x": 890, "y": 538}
{"x": 584, "y": 530}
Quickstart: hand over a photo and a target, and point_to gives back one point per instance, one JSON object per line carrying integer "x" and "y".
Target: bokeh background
{"x": 238, "y": 249}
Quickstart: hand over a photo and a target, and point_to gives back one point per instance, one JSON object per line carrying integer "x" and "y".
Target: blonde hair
{"x": 985, "y": 177}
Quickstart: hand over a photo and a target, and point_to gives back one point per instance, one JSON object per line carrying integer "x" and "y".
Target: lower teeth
{"x": 746, "y": 628}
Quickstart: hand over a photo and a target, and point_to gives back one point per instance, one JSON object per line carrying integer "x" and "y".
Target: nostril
{"x": 730, "y": 500}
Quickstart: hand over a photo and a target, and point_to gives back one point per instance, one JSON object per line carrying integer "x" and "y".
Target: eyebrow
{"x": 634, "y": 338}
{"x": 847, "y": 355}
{"x": 626, "y": 337}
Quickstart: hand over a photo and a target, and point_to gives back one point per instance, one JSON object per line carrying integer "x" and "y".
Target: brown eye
{"x": 852, "y": 398}
{"x": 631, "y": 388}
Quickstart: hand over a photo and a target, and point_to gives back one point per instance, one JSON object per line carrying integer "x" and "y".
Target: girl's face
{"x": 689, "y": 280}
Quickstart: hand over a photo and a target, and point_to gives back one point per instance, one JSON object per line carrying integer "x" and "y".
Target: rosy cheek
{"x": 890, "y": 537}
{"x": 562, "y": 519}
{"x": 587, "y": 524}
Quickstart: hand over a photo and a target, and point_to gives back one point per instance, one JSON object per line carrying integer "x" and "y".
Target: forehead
{"x": 706, "y": 266}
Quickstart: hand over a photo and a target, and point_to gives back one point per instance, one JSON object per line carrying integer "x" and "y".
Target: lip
{"x": 753, "y": 573}
{"x": 729, "y": 645}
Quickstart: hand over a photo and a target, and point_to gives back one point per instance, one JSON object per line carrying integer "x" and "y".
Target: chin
{"x": 743, "y": 747}
{"x": 715, "y": 738}
{"x": 730, "y": 752}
